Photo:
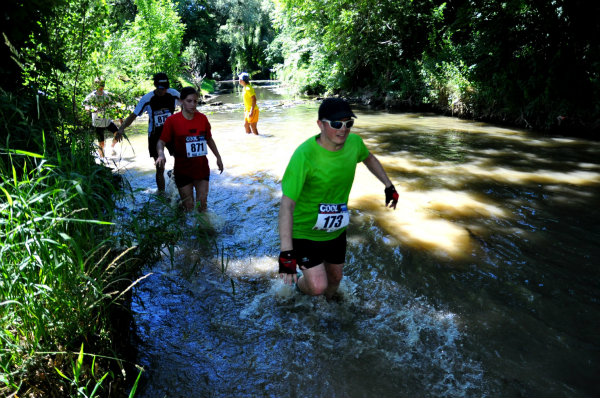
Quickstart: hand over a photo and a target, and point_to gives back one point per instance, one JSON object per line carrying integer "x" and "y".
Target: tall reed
{"x": 60, "y": 275}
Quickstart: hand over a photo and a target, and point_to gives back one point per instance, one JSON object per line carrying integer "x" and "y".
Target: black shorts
{"x": 100, "y": 131}
{"x": 153, "y": 140}
{"x": 182, "y": 181}
{"x": 310, "y": 253}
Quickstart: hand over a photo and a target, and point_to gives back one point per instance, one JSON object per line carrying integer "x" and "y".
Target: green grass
{"x": 207, "y": 87}
{"x": 63, "y": 275}
{"x": 59, "y": 274}
{"x": 66, "y": 270}
{"x": 65, "y": 267}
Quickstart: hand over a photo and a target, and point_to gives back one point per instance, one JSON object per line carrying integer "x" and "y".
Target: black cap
{"x": 161, "y": 80}
{"x": 335, "y": 109}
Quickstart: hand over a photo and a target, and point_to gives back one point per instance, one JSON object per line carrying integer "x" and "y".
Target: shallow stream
{"x": 484, "y": 281}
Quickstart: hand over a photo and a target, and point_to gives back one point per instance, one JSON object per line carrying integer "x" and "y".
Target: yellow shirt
{"x": 248, "y": 94}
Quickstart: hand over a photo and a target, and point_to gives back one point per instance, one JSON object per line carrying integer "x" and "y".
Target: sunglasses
{"x": 338, "y": 123}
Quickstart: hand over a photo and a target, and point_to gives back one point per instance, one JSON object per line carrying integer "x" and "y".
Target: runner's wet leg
{"x": 313, "y": 281}
{"x": 160, "y": 178}
{"x": 335, "y": 274}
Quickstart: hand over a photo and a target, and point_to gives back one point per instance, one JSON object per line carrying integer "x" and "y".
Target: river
{"x": 483, "y": 282}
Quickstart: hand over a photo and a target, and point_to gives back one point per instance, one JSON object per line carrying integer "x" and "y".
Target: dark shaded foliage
{"x": 520, "y": 62}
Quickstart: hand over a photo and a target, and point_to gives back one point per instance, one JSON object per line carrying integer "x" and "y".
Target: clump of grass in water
{"x": 155, "y": 234}
{"x": 159, "y": 227}
{"x": 160, "y": 235}
{"x": 224, "y": 262}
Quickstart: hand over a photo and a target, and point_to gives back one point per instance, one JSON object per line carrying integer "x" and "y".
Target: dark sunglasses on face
{"x": 337, "y": 124}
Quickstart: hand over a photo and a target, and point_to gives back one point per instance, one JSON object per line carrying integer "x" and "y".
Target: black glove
{"x": 287, "y": 262}
{"x": 391, "y": 196}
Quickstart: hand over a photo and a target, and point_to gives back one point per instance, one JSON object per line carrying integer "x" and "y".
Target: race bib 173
{"x": 332, "y": 217}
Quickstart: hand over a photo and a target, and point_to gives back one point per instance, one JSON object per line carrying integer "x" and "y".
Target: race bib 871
{"x": 195, "y": 146}
{"x": 332, "y": 217}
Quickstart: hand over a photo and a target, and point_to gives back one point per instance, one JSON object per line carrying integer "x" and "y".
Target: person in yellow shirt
{"x": 250, "y": 107}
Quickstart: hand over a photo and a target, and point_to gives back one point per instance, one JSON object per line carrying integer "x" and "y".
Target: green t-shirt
{"x": 316, "y": 176}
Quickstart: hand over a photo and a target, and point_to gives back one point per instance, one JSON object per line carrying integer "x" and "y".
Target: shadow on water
{"x": 509, "y": 217}
{"x": 483, "y": 282}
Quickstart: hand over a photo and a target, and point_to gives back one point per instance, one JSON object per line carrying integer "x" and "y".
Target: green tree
{"x": 160, "y": 32}
{"x": 247, "y": 31}
{"x": 518, "y": 61}
{"x": 356, "y": 43}
{"x": 153, "y": 42}
{"x": 202, "y": 53}
{"x": 51, "y": 60}
{"x": 23, "y": 24}
{"x": 533, "y": 61}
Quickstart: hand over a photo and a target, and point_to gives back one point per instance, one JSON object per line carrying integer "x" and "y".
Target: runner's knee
{"x": 315, "y": 287}
{"x": 335, "y": 273}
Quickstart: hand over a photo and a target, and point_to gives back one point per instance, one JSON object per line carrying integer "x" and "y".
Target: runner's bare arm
{"x": 127, "y": 123}
{"x": 377, "y": 169}
{"x": 161, "y": 160}
{"x": 286, "y": 221}
{"x": 253, "y": 107}
{"x": 213, "y": 147}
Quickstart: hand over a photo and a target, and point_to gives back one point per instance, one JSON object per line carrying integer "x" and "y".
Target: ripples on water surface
{"x": 483, "y": 282}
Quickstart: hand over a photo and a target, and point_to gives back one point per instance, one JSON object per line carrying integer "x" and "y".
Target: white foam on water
{"x": 382, "y": 330}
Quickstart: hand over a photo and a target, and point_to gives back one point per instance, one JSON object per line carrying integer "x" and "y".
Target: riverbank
{"x": 374, "y": 98}
{"x": 561, "y": 125}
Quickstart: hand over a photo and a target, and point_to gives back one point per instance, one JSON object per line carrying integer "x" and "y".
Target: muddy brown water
{"x": 482, "y": 283}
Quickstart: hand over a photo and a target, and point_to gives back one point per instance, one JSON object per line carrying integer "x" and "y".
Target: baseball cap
{"x": 161, "y": 80}
{"x": 335, "y": 109}
{"x": 244, "y": 76}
